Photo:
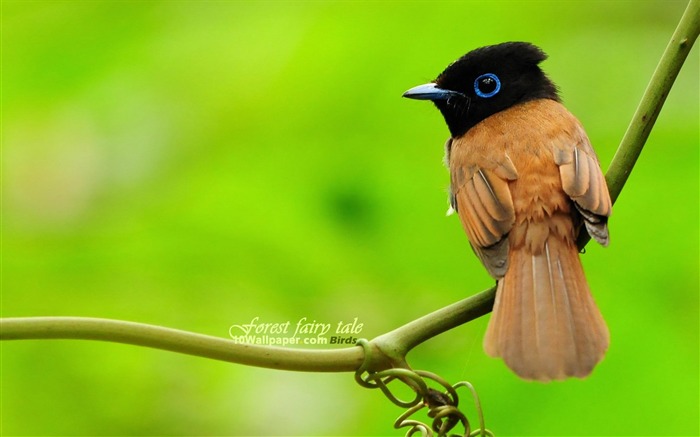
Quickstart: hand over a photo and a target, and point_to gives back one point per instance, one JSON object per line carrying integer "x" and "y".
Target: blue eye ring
{"x": 490, "y": 93}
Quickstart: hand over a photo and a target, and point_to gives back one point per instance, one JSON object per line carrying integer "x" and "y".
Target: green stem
{"x": 398, "y": 342}
{"x": 119, "y": 331}
{"x": 654, "y": 97}
{"x": 650, "y": 106}
{"x": 388, "y": 350}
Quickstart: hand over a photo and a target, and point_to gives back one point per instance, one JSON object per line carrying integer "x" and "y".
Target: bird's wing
{"x": 482, "y": 199}
{"x": 583, "y": 181}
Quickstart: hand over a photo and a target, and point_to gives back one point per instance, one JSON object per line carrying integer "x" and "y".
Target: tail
{"x": 545, "y": 324}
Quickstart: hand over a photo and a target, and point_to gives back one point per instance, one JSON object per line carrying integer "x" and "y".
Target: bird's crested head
{"x": 485, "y": 81}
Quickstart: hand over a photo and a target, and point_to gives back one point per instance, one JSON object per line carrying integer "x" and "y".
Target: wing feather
{"x": 491, "y": 199}
{"x": 470, "y": 220}
{"x": 485, "y": 207}
{"x": 583, "y": 181}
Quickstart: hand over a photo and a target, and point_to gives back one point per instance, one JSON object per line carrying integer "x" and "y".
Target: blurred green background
{"x": 198, "y": 164}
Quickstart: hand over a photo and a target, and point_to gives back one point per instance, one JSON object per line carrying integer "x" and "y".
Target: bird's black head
{"x": 485, "y": 81}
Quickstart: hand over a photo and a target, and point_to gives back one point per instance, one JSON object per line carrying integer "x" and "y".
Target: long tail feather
{"x": 545, "y": 324}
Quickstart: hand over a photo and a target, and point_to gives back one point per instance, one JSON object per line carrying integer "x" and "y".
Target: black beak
{"x": 430, "y": 91}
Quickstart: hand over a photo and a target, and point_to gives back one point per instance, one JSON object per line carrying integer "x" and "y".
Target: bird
{"x": 525, "y": 181}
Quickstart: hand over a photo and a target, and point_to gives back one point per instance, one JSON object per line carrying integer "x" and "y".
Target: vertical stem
{"x": 654, "y": 97}
{"x": 650, "y": 106}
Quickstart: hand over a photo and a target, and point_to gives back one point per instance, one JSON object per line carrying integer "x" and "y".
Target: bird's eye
{"x": 487, "y": 85}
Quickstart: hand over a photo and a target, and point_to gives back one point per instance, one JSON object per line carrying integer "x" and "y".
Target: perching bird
{"x": 524, "y": 181}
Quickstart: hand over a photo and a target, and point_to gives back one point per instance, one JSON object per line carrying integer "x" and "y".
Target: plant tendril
{"x": 442, "y": 404}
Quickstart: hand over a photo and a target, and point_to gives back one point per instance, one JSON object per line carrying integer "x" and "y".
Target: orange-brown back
{"x": 524, "y": 181}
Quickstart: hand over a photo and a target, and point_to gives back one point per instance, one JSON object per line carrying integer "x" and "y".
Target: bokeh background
{"x": 198, "y": 164}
